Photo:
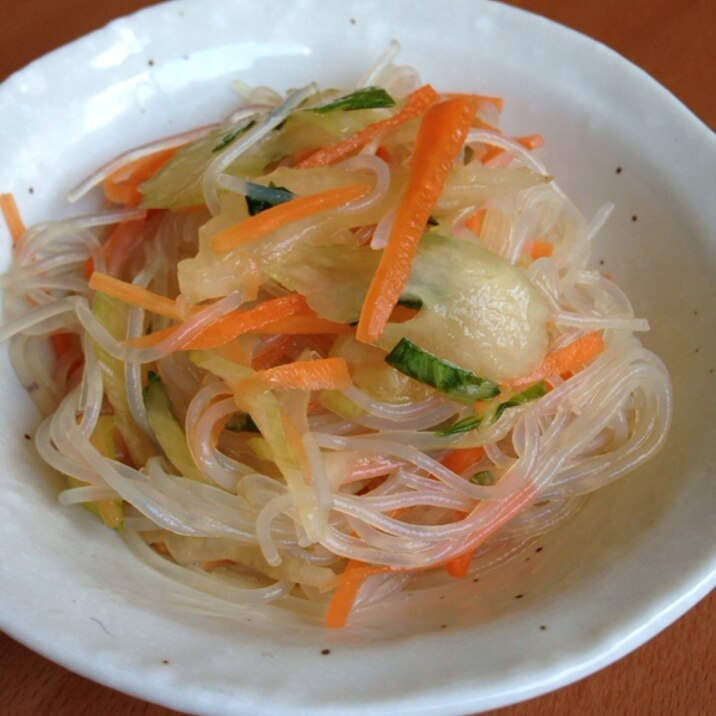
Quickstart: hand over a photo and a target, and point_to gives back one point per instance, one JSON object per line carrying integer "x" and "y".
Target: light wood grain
{"x": 675, "y": 673}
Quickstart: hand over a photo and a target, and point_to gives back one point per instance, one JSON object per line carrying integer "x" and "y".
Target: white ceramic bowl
{"x": 639, "y": 554}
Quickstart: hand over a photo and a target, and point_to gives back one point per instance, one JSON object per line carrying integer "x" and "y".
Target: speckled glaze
{"x": 635, "y": 558}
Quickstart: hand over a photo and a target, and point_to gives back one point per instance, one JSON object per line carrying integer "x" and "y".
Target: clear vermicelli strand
{"x": 398, "y": 371}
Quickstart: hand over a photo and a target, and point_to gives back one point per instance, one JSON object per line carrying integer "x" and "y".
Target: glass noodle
{"x": 288, "y": 462}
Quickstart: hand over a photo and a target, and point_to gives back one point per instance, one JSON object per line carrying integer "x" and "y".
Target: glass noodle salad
{"x": 345, "y": 343}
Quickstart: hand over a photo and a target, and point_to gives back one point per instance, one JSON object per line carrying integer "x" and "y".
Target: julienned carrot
{"x": 538, "y": 249}
{"x": 277, "y": 216}
{"x": 135, "y": 295}
{"x": 459, "y": 566}
{"x": 355, "y": 573}
{"x": 475, "y": 220}
{"x": 498, "y": 102}
{"x": 569, "y": 358}
{"x": 320, "y": 374}
{"x": 440, "y": 138}
{"x": 349, "y": 584}
{"x": 415, "y": 105}
{"x": 273, "y": 353}
{"x": 505, "y": 511}
{"x": 122, "y": 186}
{"x": 233, "y": 325}
{"x": 15, "y": 224}
{"x": 384, "y": 153}
{"x": 530, "y": 141}
{"x": 460, "y": 459}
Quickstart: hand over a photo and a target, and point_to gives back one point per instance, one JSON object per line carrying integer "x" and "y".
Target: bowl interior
{"x": 639, "y": 553}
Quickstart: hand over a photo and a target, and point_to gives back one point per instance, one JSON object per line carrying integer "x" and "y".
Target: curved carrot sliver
{"x": 538, "y": 249}
{"x": 460, "y": 459}
{"x": 122, "y": 185}
{"x": 475, "y": 220}
{"x": 135, "y": 295}
{"x": 459, "y": 566}
{"x": 569, "y": 358}
{"x": 321, "y": 374}
{"x": 531, "y": 141}
{"x": 14, "y": 221}
{"x": 231, "y": 326}
{"x": 277, "y": 216}
{"x": 440, "y": 138}
{"x": 349, "y": 584}
{"x": 416, "y": 104}
{"x": 497, "y": 102}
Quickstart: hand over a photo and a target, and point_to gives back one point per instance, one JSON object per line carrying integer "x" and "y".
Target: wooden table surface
{"x": 673, "y": 674}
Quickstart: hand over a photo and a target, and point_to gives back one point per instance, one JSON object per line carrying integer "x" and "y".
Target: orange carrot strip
{"x": 135, "y": 295}
{"x": 231, "y": 326}
{"x": 539, "y": 249}
{"x": 277, "y": 216}
{"x": 460, "y": 459}
{"x": 497, "y": 101}
{"x": 416, "y": 104}
{"x": 122, "y": 186}
{"x": 272, "y": 354}
{"x": 482, "y": 124}
{"x": 349, "y": 584}
{"x": 383, "y": 153}
{"x": 15, "y": 224}
{"x": 506, "y": 509}
{"x": 458, "y": 566}
{"x": 475, "y": 220}
{"x": 570, "y": 358}
{"x": 440, "y": 138}
{"x": 321, "y": 374}
{"x": 531, "y": 141}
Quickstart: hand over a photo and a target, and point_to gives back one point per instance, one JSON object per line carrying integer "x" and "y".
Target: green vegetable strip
{"x": 255, "y": 204}
{"x": 483, "y": 477}
{"x": 232, "y": 135}
{"x": 537, "y": 390}
{"x": 366, "y": 98}
{"x": 458, "y": 384}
